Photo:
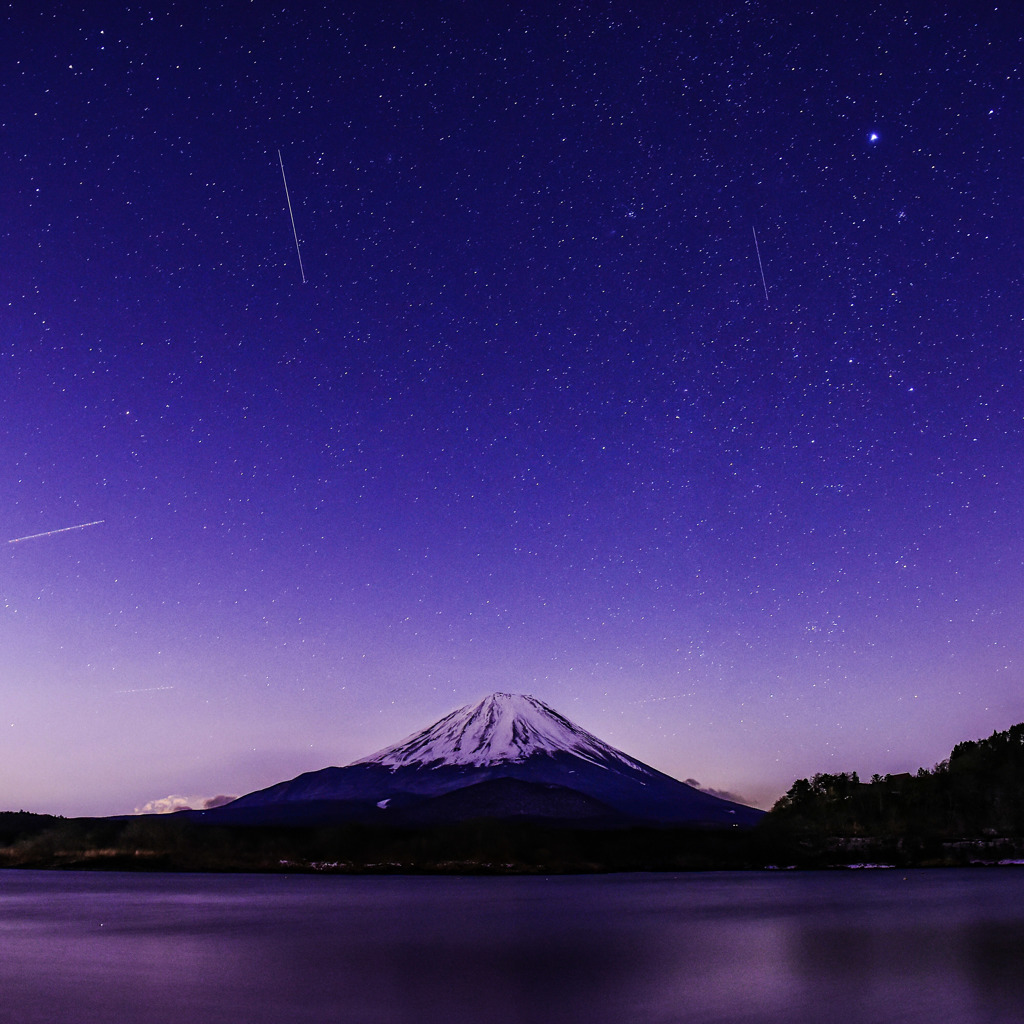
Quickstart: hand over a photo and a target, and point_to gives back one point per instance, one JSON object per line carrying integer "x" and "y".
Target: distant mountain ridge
{"x": 506, "y": 757}
{"x": 966, "y": 810}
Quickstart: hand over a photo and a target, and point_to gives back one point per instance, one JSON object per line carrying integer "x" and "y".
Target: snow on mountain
{"x": 501, "y": 728}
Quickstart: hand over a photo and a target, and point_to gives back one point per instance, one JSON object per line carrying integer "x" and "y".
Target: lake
{"x": 730, "y": 948}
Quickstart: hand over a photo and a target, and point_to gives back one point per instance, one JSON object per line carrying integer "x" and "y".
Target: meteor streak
{"x": 757, "y": 248}
{"x": 50, "y": 533}
{"x": 292, "y": 216}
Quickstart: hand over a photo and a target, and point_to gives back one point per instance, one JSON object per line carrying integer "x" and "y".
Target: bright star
{"x": 874, "y": 137}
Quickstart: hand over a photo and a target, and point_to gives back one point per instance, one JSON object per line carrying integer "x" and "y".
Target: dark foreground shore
{"x": 173, "y": 843}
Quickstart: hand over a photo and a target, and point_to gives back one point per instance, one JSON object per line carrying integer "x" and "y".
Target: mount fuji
{"x": 508, "y": 757}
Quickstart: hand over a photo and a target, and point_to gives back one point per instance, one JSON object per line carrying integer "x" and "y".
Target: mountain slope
{"x": 558, "y": 772}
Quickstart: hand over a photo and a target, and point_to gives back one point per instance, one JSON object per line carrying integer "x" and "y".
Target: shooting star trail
{"x": 50, "y": 533}
{"x": 288, "y": 197}
{"x": 757, "y": 248}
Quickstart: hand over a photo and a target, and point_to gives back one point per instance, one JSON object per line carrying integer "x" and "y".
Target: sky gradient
{"x": 532, "y": 424}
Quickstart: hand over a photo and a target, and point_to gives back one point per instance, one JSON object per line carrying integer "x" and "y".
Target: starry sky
{"x": 660, "y": 360}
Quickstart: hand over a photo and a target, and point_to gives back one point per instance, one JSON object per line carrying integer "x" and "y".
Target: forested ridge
{"x": 978, "y": 791}
{"x": 967, "y": 809}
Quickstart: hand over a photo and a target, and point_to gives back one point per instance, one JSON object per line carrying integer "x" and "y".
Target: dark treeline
{"x": 969, "y": 807}
{"x": 17, "y": 826}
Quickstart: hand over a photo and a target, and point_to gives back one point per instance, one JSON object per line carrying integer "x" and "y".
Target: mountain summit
{"x": 509, "y": 757}
{"x": 501, "y": 728}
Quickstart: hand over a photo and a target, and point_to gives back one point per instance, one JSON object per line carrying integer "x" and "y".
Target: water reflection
{"x": 847, "y": 948}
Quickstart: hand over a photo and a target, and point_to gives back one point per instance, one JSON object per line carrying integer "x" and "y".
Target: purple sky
{"x": 531, "y": 424}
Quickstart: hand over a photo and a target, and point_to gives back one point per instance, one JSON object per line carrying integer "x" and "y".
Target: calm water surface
{"x": 939, "y": 946}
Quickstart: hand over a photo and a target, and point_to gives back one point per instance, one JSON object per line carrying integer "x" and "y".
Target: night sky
{"x": 532, "y": 423}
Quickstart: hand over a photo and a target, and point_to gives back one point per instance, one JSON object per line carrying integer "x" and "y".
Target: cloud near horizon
{"x": 170, "y": 804}
{"x": 722, "y": 794}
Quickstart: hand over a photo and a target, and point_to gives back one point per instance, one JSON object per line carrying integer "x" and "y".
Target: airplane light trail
{"x": 50, "y": 533}
{"x": 292, "y": 216}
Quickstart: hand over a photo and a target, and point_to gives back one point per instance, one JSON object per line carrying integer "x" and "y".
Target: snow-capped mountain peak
{"x": 501, "y": 728}
{"x": 508, "y": 757}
